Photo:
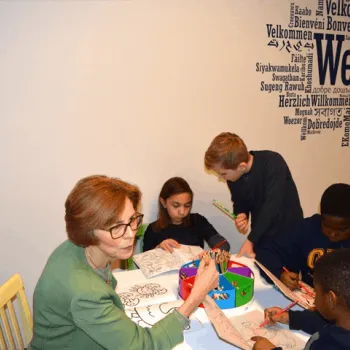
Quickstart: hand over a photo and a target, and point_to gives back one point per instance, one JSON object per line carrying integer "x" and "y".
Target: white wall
{"x": 135, "y": 89}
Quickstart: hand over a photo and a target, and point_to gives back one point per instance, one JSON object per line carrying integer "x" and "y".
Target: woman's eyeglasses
{"x": 119, "y": 230}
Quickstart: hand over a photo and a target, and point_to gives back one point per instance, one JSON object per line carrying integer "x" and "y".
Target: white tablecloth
{"x": 265, "y": 295}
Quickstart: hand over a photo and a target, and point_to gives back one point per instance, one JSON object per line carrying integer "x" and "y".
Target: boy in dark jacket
{"x": 299, "y": 248}
{"x": 330, "y": 324}
{"x": 261, "y": 186}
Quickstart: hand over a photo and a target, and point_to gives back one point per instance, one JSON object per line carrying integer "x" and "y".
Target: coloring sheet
{"x": 248, "y": 324}
{"x": 147, "y": 316}
{"x": 157, "y": 261}
{"x": 142, "y": 294}
{"x": 224, "y": 328}
{"x": 304, "y": 300}
{"x": 188, "y": 252}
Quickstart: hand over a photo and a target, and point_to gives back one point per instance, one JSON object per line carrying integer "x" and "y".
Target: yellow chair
{"x": 10, "y": 291}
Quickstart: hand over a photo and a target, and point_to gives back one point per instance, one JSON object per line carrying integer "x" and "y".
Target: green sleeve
{"x": 109, "y": 326}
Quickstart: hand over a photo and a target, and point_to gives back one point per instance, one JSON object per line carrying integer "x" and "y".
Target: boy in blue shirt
{"x": 330, "y": 324}
{"x": 298, "y": 248}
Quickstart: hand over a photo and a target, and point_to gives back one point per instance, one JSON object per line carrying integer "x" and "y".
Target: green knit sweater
{"x": 74, "y": 308}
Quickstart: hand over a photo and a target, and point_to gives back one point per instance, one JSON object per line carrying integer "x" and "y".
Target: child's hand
{"x": 270, "y": 314}
{"x": 262, "y": 344}
{"x": 169, "y": 244}
{"x": 290, "y": 279}
{"x": 246, "y": 249}
{"x": 241, "y": 222}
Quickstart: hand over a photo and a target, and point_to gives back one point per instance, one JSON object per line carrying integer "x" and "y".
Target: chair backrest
{"x": 140, "y": 234}
{"x": 10, "y": 332}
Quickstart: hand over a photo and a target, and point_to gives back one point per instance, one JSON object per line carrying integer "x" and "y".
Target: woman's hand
{"x": 169, "y": 244}
{"x": 241, "y": 222}
{"x": 271, "y": 315}
{"x": 262, "y": 343}
{"x": 290, "y": 279}
{"x": 200, "y": 255}
{"x": 207, "y": 278}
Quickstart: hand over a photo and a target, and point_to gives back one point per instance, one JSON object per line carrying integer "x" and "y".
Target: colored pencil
{"x": 306, "y": 290}
{"x": 223, "y": 209}
{"x": 285, "y": 270}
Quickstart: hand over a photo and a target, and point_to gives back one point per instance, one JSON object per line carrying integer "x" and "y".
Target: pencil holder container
{"x": 243, "y": 271}
{"x": 184, "y": 275}
{"x": 236, "y": 285}
{"x": 186, "y": 286}
{"x": 192, "y": 264}
{"x": 244, "y": 288}
{"x": 224, "y": 295}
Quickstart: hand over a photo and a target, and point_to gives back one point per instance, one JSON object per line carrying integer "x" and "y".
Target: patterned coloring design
{"x": 137, "y": 292}
{"x": 248, "y": 325}
{"x": 157, "y": 261}
{"x": 147, "y": 316}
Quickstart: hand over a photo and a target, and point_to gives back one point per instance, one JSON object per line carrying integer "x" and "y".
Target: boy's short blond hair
{"x": 227, "y": 150}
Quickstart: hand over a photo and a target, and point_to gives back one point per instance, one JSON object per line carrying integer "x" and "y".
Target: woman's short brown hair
{"x": 96, "y": 202}
{"x": 226, "y": 150}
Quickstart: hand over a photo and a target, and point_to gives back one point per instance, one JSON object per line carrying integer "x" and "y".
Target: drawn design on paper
{"x": 157, "y": 261}
{"x": 147, "y": 316}
{"x": 248, "y": 326}
{"x": 277, "y": 336}
{"x": 128, "y": 299}
{"x": 224, "y": 328}
{"x": 304, "y": 300}
{"x": 148, "y": 290}
{"x": 142, "y": 291}
{"x": 189, "y": 252}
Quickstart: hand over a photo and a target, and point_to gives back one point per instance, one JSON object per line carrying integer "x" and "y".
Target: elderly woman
{"x": 75, "y": 304}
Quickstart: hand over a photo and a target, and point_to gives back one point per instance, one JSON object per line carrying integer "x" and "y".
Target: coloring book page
{"x": 248, "y": 325}
{"x": 142, "y": 294}
{"x": 187, "y": 253}
{"x": 157, "y": 261}
{"x": 147, "y": 316}
{"x": 300, "y": 296}
{"x": 305, "y": 300}
{"x": 224, "y": 328}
